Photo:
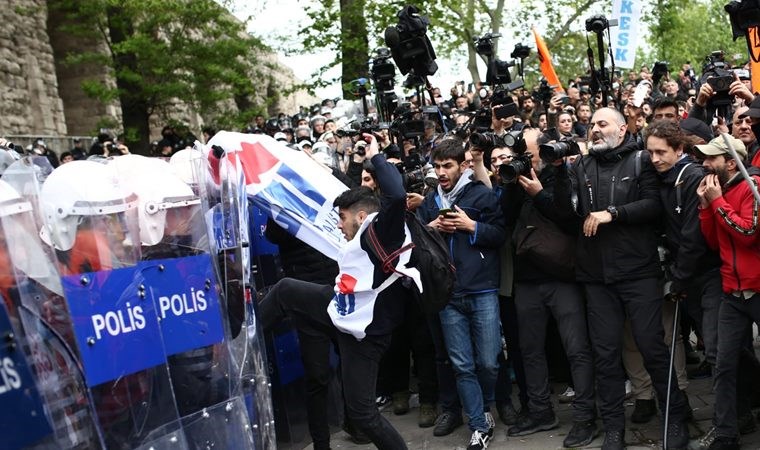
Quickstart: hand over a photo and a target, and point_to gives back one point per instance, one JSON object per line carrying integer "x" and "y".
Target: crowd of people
{"x": 587, "y": 233}
{"x": 596, "y": 258}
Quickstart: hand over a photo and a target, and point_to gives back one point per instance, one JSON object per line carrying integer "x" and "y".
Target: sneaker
{"x": 581, "y": 434}
{"x": 700, "y": 372}
{"x": 614, "y": 440}
{"x": 724, "y": 443}
{"x": 382, "y": 401}
{"x": 704, "y": 442}
{"x": 427, "y": 416}
{"x": 643, "y": 411}
{"x": 534, "y": 422}
{"x": 400, "y": 403}
{"x": 480, "y": 440}
{"x": 568, "y": 396}
{"x": 678, "y": 435}
{"x": 507, "y": 414}
{"x": 446, "y": 423}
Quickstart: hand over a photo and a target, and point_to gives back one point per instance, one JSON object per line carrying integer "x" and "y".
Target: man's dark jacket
{"x": 689, "y": 252}
{"x": 625, "y": 249}
{"x": 475, "y": 256}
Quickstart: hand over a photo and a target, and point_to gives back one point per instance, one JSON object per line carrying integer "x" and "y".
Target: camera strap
{"x": 678, "y": 188}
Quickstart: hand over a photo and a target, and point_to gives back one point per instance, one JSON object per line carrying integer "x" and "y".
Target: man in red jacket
{"x": 728, "y": 217}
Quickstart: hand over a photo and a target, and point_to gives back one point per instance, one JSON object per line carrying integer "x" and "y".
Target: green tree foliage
{"x": 689, "y": 30}
{"x": 161, "y": 52}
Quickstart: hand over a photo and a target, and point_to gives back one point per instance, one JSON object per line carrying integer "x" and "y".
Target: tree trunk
{"x": 134, "y": 109}
{"x": 472, "y": 63}
{"x": 354, "y": 45}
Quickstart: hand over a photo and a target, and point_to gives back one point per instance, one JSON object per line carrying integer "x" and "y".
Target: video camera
{"x": 497, "y": 72}
{"x": 417, "y": 174}
{"x": 409, "y": 45}
{"x": 716, "y": 72}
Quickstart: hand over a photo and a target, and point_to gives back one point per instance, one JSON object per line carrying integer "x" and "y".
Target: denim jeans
{"x": 471, "y": 330}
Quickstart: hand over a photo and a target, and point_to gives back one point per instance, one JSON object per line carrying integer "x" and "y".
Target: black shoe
{"x": 700, "y": 372}
{"x": 678, "y": 435}
{"x": 507, "y": 414}
{"x": 533, "y": 423}
{"x": 447, "y": 423}
{"x": 581, "y": 434}
{"x": 614, "y": 440}
{"x": 643, "y": 411}
{"x": 479, "y": 439}
{"x": 356, "y": 436}
{"x": 723, "y": 443}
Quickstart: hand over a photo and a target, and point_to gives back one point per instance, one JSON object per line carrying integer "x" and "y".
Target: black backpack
{"x": 430, "y": 256}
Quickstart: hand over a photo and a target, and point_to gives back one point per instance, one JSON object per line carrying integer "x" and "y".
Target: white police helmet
{"x": 76, "y": 190}
{"x": 158, "y": 189}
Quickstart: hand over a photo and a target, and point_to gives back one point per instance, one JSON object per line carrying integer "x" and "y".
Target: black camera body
{"x": 416, "y": 174}
{"x": 716, "y": 72}
{"x": 520, "y": 165}
{"x": 557, "y": 150}
{"x": 597, "y": 24}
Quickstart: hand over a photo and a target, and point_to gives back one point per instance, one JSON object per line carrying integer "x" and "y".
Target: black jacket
{"x": 625, "y": 249}
{"x": 299, "y": 260}
{"x": 689, "y": 254}
{"x": 514, "y": 200}
{"x": 475, "y": 256}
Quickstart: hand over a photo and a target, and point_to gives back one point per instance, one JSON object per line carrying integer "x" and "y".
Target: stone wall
{"x": 29, "y": 98}
{"x": 41, "y": 95}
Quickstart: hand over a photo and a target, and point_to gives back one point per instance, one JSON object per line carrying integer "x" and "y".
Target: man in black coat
{"x": 617, "y": 262}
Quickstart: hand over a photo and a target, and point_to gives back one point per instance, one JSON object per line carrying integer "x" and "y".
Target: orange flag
{"x": 546, "y": 63}
{"x": 753, "y": 42}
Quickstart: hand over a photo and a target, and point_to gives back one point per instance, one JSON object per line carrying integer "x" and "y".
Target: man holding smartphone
{"x": 468, "y": 215}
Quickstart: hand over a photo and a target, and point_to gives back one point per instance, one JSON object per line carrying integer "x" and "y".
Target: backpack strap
{"x": 386, "y": 259}
{"x": 678, "y": 188}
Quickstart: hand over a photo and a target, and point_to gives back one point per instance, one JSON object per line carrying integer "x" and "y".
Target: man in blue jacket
{"x": 468, "y": 215}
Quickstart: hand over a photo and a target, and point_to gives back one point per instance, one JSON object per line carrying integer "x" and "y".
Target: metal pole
{"x": 670, "y": 375}
{"x": 741, "y": 167}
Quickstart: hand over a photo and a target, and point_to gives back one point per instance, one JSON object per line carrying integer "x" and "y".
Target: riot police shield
{"x": 224, "y": 190}
{"x": 91, "y": 222}
{"x": 177, "y": 272}
{"x": 44, "y": 402}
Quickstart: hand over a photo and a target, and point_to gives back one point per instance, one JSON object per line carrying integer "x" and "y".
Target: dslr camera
{"x": 520, "y": 165}
{"x": 553, "y": 151}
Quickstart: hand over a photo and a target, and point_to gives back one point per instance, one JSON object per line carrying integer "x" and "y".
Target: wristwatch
{"x": 613, "y": 212}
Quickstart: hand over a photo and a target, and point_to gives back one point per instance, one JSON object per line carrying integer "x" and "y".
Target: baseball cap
{"x": 696, "y": 127}
{"x": 718, "y": 147}
{"x": 304, "y": 143}
{"x": 280, "y": 137}
{"x": 754, "y": 109}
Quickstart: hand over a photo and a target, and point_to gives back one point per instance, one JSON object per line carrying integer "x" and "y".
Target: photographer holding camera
{"x": 544, "y": 285}
{"x": 617, "y": 193}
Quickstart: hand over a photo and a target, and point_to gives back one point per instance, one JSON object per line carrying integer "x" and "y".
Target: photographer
{"x": 546, "y": 286}
{"x": 617, "y": 194}
{"x": 704, "y": 110}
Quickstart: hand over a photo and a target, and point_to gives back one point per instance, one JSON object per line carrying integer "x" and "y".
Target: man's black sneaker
{"x": 479, "y": 439}
{"x": 643, "y": 411}
{"x": 723, "y": 443}
{"x": 507, "y": 414}
{"x": 534, "y": 422}
{"x": 700, "y": 372}
{"x": 447, "y": 423}
{"x": 614, "y": 440}
{"x": 581, "y": 434}
{"x": 678, "y": 436}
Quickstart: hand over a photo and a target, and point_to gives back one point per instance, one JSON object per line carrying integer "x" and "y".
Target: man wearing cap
{"x": 317, "y": 127}
{"x": 728, "y": 217}
{"x": 753, "y": 114}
